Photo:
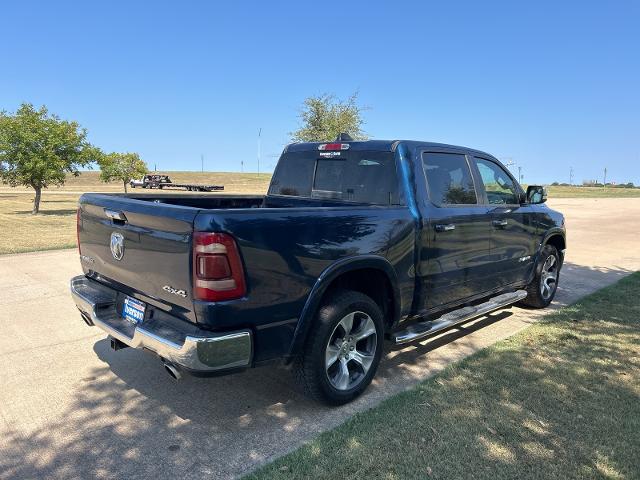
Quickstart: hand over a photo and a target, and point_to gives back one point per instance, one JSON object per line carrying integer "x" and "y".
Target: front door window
{"x": 499, "y": 186}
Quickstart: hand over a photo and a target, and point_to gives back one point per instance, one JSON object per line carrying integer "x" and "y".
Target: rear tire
{"x": 343, "y": 349}
{"x": 543, "y": 287}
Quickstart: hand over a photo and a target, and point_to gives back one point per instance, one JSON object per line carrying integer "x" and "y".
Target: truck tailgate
{"x": 155, "y": 238}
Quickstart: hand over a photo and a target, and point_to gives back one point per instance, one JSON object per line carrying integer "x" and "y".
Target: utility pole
{"x": 202, "y": 162}
{"x": 241, "y": 166}
{"x": 519, "y": 174}
{"x": 570, "y": 175}
{"x": 259, "y": 147}
{"x": 604, "y": 183}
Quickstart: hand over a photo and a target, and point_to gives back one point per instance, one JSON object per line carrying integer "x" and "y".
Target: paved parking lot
{"x": 70, "y": 407}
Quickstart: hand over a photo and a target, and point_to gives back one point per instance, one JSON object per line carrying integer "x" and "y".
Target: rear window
{"x": 449, "y": 179}
{"x": 362, "y": 177}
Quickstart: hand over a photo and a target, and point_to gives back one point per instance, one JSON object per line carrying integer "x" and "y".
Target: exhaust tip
{"x": 172, "y": 371}
{"x": 86, "y": 319}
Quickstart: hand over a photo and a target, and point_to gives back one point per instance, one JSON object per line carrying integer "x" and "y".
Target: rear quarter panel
{"x": 284, "y": 251}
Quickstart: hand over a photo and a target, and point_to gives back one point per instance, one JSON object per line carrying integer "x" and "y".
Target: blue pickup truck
{"x": 356, "y": 243}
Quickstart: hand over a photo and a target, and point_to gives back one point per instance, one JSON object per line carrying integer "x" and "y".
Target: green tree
{"x": 38, "y": 149}
{"x": 324, "y": 117}
{"x": 123, "y": 167}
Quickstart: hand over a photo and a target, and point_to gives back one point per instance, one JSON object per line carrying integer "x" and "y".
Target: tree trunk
{"x": 125, "y": 186}
{"x": 36, "y": 200}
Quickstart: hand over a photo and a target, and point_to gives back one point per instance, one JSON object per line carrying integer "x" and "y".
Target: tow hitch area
{"x": 117, "y": 344}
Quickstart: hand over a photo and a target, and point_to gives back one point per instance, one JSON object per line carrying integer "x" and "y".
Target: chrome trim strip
{"x": 196, "y": 350}
{"x": 276, "y": 324}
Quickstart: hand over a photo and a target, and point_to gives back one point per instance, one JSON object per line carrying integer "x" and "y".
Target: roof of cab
{"x": 379, "y": 145}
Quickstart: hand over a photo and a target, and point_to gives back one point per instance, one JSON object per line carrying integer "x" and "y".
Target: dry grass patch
{"x": 250, "y": 183}
{"x": 54, "y": 227}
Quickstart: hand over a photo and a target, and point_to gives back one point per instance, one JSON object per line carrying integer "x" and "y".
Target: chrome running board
{"x": 432, "y": 327}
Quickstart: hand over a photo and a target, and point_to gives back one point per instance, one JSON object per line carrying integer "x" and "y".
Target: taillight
{"x": 78, "y": 221}
{"x": 217, "y": 269}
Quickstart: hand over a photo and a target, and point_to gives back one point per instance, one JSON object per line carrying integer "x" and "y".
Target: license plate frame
{"x": 133, "y": 310}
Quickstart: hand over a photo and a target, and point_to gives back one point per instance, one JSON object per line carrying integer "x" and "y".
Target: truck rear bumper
{"x": 195, "y": 350}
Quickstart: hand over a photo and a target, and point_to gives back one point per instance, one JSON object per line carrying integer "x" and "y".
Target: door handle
{"x": 445, "y": 228}
{"x": 500, "y": 223}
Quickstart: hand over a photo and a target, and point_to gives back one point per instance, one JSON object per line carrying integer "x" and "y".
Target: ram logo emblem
{"x": 117, "y": 245}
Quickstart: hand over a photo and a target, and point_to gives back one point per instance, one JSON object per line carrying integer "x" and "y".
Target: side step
{"x": 448, "y": 320}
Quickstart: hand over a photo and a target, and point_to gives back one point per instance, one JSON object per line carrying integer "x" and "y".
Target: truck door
{"x": 455, "y": 239}
{"x": 513, "y": 229}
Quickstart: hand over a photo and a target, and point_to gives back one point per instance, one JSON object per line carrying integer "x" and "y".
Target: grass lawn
{"x": 559, "y": 400}
{"x": 55, "y": 226}
{"x": 592, "y": 192}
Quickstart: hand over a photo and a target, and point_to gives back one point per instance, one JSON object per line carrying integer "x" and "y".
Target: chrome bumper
{"x": 194, "y": 349}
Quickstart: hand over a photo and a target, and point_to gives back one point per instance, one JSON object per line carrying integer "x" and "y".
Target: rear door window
{"x": 354, "y": 176}
{"x": 449, "y": 179}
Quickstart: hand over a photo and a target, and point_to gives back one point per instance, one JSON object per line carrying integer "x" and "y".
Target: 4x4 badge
{"x": 175, "y": 291}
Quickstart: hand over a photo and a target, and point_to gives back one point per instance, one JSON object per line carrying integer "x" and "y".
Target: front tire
{"x": 543, "y": 287}
{"x": 343, "y": 349}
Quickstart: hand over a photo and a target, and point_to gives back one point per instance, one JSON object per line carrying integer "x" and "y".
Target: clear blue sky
{"x": 549, "y": 84}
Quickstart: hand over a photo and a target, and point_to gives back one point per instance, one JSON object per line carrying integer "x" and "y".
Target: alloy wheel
{"x": 549, "y": 277}
{"x": 351, "y": 350}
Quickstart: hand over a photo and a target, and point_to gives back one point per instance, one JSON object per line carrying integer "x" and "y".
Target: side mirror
{"x": 536, "y": 194}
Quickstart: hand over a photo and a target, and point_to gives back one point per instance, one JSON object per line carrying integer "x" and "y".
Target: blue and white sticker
{"x": 133, "y": 310}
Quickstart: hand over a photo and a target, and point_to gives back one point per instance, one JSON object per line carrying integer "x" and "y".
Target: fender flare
{"x": 325, "y": 279}
{"x": 547, "y": 235}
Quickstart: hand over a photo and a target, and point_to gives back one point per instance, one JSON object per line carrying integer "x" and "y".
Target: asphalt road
{"x": 72, "y": 408}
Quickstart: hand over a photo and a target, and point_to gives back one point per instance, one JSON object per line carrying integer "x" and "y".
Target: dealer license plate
{"x": 133, "y": 310}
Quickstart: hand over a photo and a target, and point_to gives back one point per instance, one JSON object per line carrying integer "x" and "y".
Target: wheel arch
{"x": 350, "y": 273}
{"x": 557, "y": 239}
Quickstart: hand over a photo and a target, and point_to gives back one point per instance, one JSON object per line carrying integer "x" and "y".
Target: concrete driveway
{"x": 70, "y": 407}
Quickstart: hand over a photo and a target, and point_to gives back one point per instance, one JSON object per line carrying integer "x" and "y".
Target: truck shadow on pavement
{"x": 129, "y": 419}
